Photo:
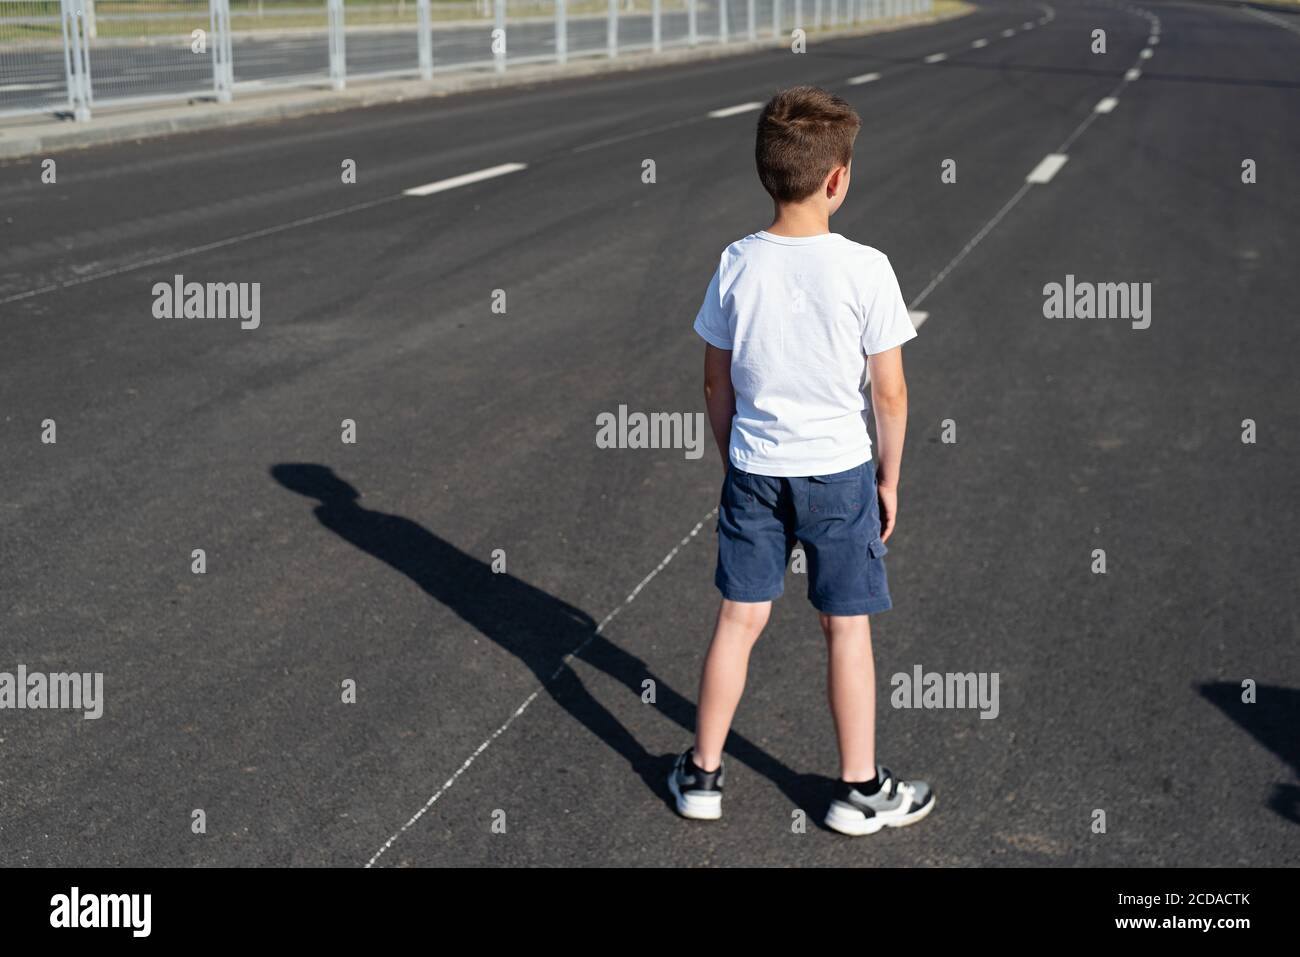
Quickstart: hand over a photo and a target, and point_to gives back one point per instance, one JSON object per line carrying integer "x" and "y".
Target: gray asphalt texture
{"x": 371, "y": 562}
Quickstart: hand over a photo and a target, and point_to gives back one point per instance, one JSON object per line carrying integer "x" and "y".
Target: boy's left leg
{"x": 696, "y": 778}
{"x": 754, "y": 542}
{"x": 722, "y": 682}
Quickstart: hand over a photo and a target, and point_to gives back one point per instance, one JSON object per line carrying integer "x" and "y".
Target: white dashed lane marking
{"x": 735, "y": 110}
{"x": 428, "y": 189}
{"x": 981, "y": 42}
{"x": 864, "y": 78}
{"x": 1105, "y": 105}
{"x": 1047, "y": 167}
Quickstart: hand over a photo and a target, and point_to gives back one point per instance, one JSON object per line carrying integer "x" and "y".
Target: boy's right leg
{"x": 851, "y": 688}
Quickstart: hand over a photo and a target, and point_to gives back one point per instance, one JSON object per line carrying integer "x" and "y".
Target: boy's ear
{"x": 837, "y": 181}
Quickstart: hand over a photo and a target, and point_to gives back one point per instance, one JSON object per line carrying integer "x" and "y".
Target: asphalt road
{"x": 476, "y": 432}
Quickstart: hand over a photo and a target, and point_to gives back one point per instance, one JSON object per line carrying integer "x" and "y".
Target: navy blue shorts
{"x": 835, "y": 517}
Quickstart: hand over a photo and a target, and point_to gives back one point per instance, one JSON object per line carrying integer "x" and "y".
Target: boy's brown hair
{"x": 803, "y": 133}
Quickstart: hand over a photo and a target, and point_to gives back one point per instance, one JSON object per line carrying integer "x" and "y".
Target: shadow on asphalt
{"x": 537, "y": 628}
{"x": 1274, "y": 721}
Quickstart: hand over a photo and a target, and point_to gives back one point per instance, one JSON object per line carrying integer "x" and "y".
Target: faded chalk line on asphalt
{"x": 637, "y": 134}
{"x": 206, "y": 247}
{"x": 425, "y": 190}
{"x": 863, "y": 78}
{"x": 936, "y": 58}
{"x": 965, "y": 251}
{"x": 564, "y": 663}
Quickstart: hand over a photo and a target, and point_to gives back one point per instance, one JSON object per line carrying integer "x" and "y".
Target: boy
{"x": 787, "y": 320}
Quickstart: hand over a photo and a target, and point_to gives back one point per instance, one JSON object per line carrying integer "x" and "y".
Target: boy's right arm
{"x": 889, "y": 404}
{"x": 719, "y": 398}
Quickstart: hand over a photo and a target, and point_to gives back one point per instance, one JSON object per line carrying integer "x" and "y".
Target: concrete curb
{"x": 1256, "y": 4}
{"x": 46, "y": 135}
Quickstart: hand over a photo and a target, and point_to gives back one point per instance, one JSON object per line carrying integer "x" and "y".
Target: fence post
{"x": 656, "y": 26}
{"x": 611, "y": 30}
{"x": 222, "y": 73}
{"x": 817, "y": 14}
{"x": 798, "y": 14}
{"x": 338, "y": 50}
{"x": 776, "y": 19}
{"x": 751, "y": 20}
{"x": 499, "y": 36}
{"x": 561, "y": 32}
{"x": 76, "y": 59}
{"x": 424, "y": 23}
{"x": 692, "y": 34}
{"x": 724, "y": 27}
{"x": 228, "y": 56}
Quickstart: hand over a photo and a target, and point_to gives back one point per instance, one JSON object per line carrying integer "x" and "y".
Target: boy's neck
{"x": 799, "y": 219}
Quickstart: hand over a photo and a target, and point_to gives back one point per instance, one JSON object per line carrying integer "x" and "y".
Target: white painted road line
{"x": 428, "y": 189}
{"x": 936, "y": 57}
{"x": 1026, "y": 26}
{"x": 564, "y": 664}
{"x": 1008, "y": 32}
{"x": 1047, "y": 167}
{"x": 1105, "y": 105}
{"x": 966, "y": 250}
{"x": 1132, "y": 74}
{"x": 734, "y": 110}
{"x": 981, "y": 42}
{"x": 1146, "y": 54}
{"x": 918, "y": 316}
{"x": 864, "y": 78}
{"x": 1153, "y": 40}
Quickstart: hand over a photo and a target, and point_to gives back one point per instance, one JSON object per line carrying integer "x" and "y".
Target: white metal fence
{"x": 71, "y": 55}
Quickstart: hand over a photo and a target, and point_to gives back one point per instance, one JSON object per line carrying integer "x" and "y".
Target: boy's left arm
{"x": 719, "y": 398}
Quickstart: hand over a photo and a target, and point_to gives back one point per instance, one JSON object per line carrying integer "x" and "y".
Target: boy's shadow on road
{"x": 1272, "y": 720}
{"x": 537, "y": 628}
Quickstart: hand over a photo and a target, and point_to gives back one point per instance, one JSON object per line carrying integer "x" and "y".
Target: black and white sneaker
{"x": 896, "y": 804}
{"x": 698, "y": 793}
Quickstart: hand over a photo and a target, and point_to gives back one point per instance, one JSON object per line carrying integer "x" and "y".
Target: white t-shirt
{"x": 798, "y": 314}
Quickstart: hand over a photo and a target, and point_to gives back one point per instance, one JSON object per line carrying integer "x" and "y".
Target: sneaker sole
{"x": 855, "y": 824}
{"x": 697, "y": 807}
